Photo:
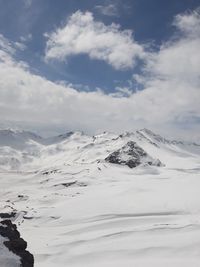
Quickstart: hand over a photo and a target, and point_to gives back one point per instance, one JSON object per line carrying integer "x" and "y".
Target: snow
{"x": 110, "y": 215}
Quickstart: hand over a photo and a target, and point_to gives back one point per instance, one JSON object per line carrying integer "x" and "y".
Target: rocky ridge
{"x": 132, "y": 155}
{"x": 14, "y": 242}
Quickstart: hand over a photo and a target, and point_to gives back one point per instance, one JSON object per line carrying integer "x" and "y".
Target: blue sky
{"x": 106, "y": 65}
{"x": 150, "y": 21}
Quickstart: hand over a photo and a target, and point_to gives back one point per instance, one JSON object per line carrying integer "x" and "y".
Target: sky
{"x": 98, "y": 66}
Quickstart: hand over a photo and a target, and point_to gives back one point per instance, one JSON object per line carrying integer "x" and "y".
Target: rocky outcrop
{"x": 15, "y": 243}
{"x": 132, "y": 155}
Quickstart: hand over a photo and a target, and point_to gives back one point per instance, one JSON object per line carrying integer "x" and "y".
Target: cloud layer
{"x": 169, "y": 103}
{"x": 83, "y": 35}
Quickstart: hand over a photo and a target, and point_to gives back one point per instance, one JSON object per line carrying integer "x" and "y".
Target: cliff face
{"x": 15, "y": 244}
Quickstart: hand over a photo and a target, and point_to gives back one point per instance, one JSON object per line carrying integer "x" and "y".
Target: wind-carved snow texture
{"x": 74, "y": 208}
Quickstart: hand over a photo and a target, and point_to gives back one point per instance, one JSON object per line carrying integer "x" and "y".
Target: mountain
{"x": 23, "y": 139}
{"x": 105, "y": 200}
{"x": 21, "y": 149}
{"x": 17, "y": 139}
{"x": 18, "y": 148}
{"x": 132, "y": 155}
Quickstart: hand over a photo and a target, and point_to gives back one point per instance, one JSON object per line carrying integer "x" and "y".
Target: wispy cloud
{"x": 83, "y": 35}
{"x": 27, "y": 3}
{"x": 189, "y": 23}
{"x": 110, "y": 10}
{"x": 6, "y": 45}
{"x": 10, "y": 47}
{"x": 26, "y": 38}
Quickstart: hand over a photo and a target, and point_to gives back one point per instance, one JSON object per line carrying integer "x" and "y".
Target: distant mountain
{"x": 17, "y": 139}
{"x": 19, "y": 149}
{"x": 56, "y": 139}
{"x": 21, "y": 139}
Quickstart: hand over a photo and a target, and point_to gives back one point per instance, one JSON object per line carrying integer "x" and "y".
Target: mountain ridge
{"x": 24, "y": 149}
{"x": 48, "y": 140}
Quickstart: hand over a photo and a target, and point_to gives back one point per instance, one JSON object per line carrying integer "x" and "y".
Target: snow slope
{"x": 76, "y": 209}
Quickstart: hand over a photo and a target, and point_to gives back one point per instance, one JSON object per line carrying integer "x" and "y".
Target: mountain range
{"x": 105, "y": 200}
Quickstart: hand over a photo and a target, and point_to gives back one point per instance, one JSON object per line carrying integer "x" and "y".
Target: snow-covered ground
{"x": 76, "y": 209}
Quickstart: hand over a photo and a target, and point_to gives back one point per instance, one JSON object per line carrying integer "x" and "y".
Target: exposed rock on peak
{"x": 131, "y": 155}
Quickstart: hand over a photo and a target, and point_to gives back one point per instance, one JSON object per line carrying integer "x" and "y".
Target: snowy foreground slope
{"x": 75, "y": 208}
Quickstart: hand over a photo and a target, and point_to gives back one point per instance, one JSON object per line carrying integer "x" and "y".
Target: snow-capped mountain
{"x": 132, "y": 155}
{"x": 17, "y": 139}
{"x": 105, "y": 200}
{"x": 21, "y": 150}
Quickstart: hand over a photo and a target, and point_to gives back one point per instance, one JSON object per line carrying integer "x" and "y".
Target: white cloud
{"x": 122, "y": 92}
{"x": 177, "y": 63}
{"x": 83, "y": 35}
{"x": 189, "y": 23}
{"x": 20, "y": 46}
{"x": 6, "y": 45}
{"x": 26, "y": 38}
{"x": 169, "y": 103}
{"x": 108, "y": 9}
{"x": 10, "y": 47}
{"x": 171, "y": 75}
{"x": 179, "y": 59}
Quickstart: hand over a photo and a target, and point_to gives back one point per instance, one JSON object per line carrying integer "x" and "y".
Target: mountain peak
{"x": 132, "y": 155}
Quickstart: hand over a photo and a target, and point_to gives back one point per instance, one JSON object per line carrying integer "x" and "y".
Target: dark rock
{"x": 27, "y": 259}
{"x": 49, "y": 172}
{"x": 28, "y": 217}
{"x": 67, "y": 184}
{"x": 131, "y": 155}
{"x": 133, "y": 163}
{"x": 7, "y": 215}
{"x": 15, "y": 243}
{"x": 81, "y": 184}
{"x": 9, "y": 230}
{"x": 9, "y": 223}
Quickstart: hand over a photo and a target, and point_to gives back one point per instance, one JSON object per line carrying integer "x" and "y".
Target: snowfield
{"x": 76, "y": 209}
